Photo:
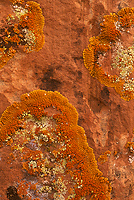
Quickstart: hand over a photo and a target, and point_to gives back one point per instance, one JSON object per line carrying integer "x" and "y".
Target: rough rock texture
{"x": 107, "y": 119}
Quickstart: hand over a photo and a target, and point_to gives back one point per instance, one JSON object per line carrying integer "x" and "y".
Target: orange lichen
{"x": 16, "y": 1}
{"x": 22, "y": 188}
{"x": 109, "y": 33}
{"x": 111, "y": 30}
{"x": 13, "y": 39}
{"x": 16, "y": 29}
{"x": 115, "y": 153}
{"x": 33, "y": 186}
{"x": 6, "y": 56}
{"x": 24, "y": 29}
{"x": 126, "y": 17}
{"x": 47, "y": 140}
{"x": 34, "y": 20}
{"x": 104, "y": 157}
{"x": 130, "y": 146}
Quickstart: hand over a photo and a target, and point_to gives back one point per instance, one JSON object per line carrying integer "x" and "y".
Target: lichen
{"x": 130, "y": 146}
{"x": 109, "y": 41}
{"x": 104, "y": 157}
{"x": 24, "y": 30}
{"x": 17, "y": 1}
{"x": 44, "y": 137}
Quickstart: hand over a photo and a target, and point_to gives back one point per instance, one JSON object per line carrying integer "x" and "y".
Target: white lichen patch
{"x": 29, "y": 37}
{"x": 124, "y": 62}
{"x": 19, "y": 10}
{"x": 131, "y": 159}
{"x": 32, "y": 164}
{"x": 46, "y": 189}
{"x": 58, "y": 168}
{"x": 37, "y": 144}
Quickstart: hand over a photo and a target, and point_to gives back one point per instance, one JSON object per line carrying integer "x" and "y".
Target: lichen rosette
{"x": 44, "y": 137}
{"x": 22, "y": 30}
{"x": 109, "y": 56}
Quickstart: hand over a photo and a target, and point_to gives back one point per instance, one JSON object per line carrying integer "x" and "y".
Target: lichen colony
{"x": 110, "y": 45}
{"x": 44, "y": 137}
{"x": 23, "y": 30}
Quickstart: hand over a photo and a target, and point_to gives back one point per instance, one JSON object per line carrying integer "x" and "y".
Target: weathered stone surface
{"x": 107, "y": 119}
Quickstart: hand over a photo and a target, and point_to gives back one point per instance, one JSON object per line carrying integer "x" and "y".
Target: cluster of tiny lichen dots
{"x": 24, "y": 29}
{"x": 52, "y": 147}
{"x": 111, "y": 29}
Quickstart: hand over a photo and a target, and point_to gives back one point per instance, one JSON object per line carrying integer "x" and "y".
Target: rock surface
{"x": 107, "y": 119}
